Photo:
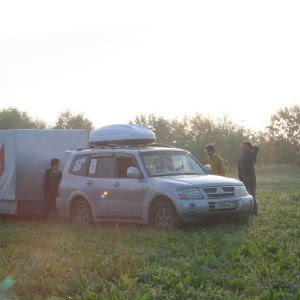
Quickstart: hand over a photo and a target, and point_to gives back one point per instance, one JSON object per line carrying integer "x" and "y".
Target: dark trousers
{"x": 252, "y": 191}
{"x": 50, "y": 205}
{"x": 53, "y": 205}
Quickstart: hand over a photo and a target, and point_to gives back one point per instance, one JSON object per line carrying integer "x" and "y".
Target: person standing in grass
{"x": 51, "y": 182}
{"x": 246, "y": 171}
{"x": 214, "y": 160}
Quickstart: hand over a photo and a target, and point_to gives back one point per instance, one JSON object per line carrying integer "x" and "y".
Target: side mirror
{"x": 207, "y": 168}
{"x": 133, "y": 172}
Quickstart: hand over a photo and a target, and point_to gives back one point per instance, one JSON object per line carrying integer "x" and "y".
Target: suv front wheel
{"x": 164, "y": 216}
{"x": 81, "y": 213}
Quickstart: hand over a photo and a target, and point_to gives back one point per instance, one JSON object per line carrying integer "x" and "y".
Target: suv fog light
{"x": 192, "y": 206}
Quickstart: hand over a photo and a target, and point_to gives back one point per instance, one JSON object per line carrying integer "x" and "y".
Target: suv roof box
{"x": 122, "y": 135}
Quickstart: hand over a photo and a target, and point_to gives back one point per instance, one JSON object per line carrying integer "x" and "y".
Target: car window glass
{"x": 171, "y": 163}
{"x": 123, "y": 163}
{"x": 101, "y": 167}
{"x": 79, "y": 165}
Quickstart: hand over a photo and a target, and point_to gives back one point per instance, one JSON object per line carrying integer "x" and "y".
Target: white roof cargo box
{"x": 122, "y": 135}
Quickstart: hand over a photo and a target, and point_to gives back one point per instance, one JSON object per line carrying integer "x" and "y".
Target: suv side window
{"x": 123, "y": 163}
{"x": 79, "y": 165}
{"x": 101, "y": 167}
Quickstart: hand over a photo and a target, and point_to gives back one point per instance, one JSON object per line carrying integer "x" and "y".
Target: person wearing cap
{"x": 246, "y": 171}
{"x": 215, "y": 161}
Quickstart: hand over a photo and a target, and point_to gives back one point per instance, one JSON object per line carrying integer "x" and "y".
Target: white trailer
{"x": 25, "y": 154}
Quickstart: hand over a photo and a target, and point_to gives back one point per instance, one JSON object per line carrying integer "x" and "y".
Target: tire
{"x": 81, "y": 213}
{"x": 165, "y": 217}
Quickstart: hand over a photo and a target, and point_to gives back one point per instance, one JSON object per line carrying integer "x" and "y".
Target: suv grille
{"x": 219, "y": 192}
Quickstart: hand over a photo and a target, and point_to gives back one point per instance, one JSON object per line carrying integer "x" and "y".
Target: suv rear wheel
{"x": 165, "y": 216}
{"x": 81, "y": 213}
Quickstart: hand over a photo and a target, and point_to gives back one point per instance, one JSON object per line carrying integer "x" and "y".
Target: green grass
{"x": 260, "y": 260}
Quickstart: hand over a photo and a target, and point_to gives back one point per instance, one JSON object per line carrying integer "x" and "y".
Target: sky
{"x": 115, "y": 60}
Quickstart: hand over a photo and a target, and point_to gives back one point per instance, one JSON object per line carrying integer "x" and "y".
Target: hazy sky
{"x": 113, "y": 60}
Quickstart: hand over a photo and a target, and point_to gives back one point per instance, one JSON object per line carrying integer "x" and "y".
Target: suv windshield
{"x": 161, "y": 163}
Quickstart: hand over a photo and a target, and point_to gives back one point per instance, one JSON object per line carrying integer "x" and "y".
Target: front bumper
{"x": 196, "y": 210}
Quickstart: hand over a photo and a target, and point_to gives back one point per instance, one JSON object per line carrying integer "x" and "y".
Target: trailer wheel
{"x": 165, "y": 217}
{"x": 81, "y": 213}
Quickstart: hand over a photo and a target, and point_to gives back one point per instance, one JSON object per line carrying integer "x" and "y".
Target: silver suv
{"x": 147, "y": 184}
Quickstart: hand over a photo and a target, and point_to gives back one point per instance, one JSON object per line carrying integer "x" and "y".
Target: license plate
{"x": 225, "y": 205}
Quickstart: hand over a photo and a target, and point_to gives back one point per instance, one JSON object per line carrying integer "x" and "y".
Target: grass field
{"x": 259, "y": 260}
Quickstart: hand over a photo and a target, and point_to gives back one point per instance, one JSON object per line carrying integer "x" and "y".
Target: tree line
{"x": 279, "y": 143}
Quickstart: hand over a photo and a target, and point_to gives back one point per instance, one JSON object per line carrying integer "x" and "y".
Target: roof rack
{"x": 161, "y": 145}
{"x": 123, "y": 146}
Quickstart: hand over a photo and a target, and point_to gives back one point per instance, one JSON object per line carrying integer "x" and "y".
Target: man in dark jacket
{"x": 246, "y": 170}
{"x": 51, "y": 182}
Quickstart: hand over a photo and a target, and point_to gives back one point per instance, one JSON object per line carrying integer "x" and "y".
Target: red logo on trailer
{"x": 2, "y": 160}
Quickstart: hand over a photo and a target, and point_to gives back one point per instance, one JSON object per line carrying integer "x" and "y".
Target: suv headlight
{"x": 241, "y": 191}
{"x": 189, "y": 193}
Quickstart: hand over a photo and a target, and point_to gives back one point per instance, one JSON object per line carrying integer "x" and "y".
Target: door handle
{"x": 89, "y": 182}
{"x": 116, "y": 184}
